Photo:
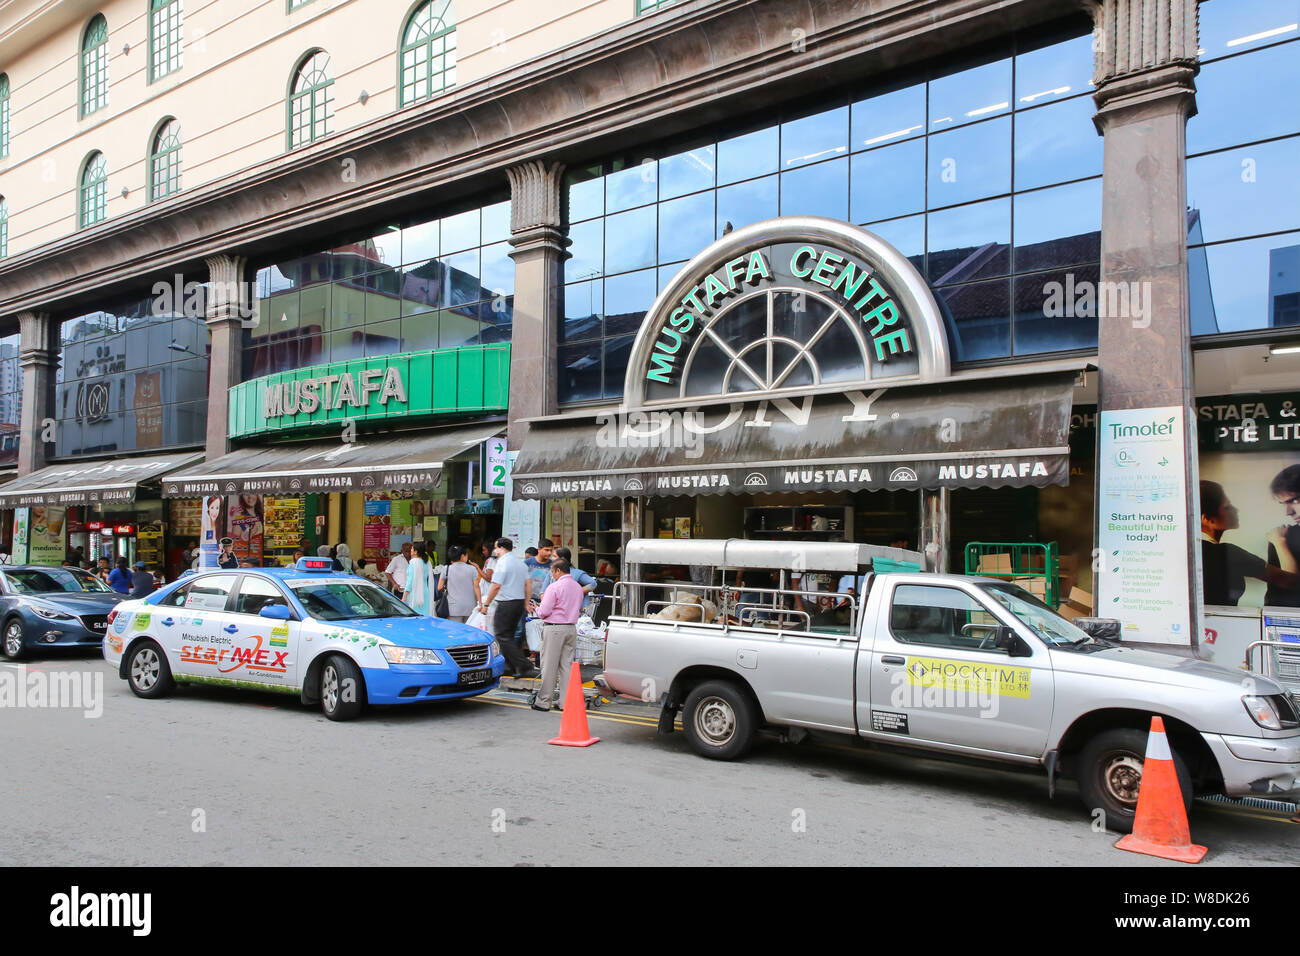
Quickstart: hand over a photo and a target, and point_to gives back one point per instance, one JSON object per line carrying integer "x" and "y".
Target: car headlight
{"x": 50, "y": 613}
{"x": 1263, "y": 712}
{"x": 496, "y": 651}
{"x": 410, "y": 655}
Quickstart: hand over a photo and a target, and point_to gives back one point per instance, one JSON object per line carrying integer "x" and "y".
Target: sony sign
{"x": 331, "y": 392}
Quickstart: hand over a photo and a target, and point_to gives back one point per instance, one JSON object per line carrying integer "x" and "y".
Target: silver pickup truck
{"x": 942, "y": 663}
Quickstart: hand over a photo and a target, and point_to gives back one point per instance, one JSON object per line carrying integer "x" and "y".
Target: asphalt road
{"x": 211, "y": 776}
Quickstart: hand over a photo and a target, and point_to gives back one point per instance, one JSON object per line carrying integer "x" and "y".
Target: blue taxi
{"x": 333, "y": 639}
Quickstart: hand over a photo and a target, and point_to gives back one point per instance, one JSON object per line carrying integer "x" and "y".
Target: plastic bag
{"x": 477, "y": 619}
{"x": 533, "y": 631}
{"x": 585, "y": 625}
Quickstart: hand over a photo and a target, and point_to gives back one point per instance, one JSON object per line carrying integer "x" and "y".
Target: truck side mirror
{"x": 1008, "y": 640}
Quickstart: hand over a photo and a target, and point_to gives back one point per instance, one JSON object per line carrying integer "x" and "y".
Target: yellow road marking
{"x": 637, "y": 721}
{"x": 1245, "y": 812}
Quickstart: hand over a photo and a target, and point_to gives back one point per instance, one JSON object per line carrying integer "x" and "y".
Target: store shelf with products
{"x": 600, "y": 537}
{"x": 810, "y": 522}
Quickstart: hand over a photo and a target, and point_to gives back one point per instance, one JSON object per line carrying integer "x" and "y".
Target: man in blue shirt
{"x": 509, "y": 583}
{"x": 585, "y": 580}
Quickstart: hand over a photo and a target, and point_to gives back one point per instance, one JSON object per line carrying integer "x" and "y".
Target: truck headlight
{"x": 1263, "y": 712}
{"x": 50, "y": 613}
{"x": 409, "y": 655}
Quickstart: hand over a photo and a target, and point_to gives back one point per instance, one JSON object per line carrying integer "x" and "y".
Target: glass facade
{"x": 133, "y": 378}
{"x": 11, "y": 400}
{"x": 402, "y": 287}
{"x": 986, "y": 174}
{"x": 1243, "y": 150}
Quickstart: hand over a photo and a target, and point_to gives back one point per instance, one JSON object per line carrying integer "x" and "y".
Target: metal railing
{"x": 761, "y": 610}
{"x": 1279, "y": 660}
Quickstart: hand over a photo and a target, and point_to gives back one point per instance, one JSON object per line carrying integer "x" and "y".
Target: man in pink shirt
{"x": 559, "y": 609}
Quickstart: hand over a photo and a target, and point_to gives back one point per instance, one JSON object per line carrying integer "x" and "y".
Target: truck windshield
{"x": 1037, "y": 616}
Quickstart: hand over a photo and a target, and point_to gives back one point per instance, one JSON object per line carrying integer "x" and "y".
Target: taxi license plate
{"x": 474, "y": 677}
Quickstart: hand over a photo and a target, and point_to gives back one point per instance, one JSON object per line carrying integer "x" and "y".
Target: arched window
{"x": 94, "y": 66}
{"x": 309, "y": 100}
{"x": 428, "y": 55}
{"x": 165, "y": 160}
{"x": 92, "y": 197}
{"x": 4, "y": 228}
{"x": 4, "y": 115}
{"x": 164, "y": 37}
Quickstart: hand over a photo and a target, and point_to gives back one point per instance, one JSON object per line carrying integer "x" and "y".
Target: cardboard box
{"x": 1081, "y": 599}
{"x": 994, "y": 564}
{"x": 1070, "y": 613}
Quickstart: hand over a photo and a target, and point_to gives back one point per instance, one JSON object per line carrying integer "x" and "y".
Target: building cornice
{"x": 644, "y": 79}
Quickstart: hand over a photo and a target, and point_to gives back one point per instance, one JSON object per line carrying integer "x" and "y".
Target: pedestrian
{"x": 461, "y": 584}
{"x": 587, "y": 582}
{"x": 396, "y": 570}
{"x": 416, "y": 592}
{"x": 506, "y": 598}
{"x": 370, "y": 571}
{"x": 226, "y": 556}
{"x": 142, "y": 582}
{"x": 103, "y": 568}
{"x": 488, "y": 562}
{"x": 189, "y": 555}
{"x": 119, "y": 579}
{"x": 344, "y": 556}
{"x": 297, "y": 553}
{"x": 559, "y": 610}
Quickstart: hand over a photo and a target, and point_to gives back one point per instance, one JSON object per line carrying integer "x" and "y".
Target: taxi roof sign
{"x": 314, "y": 564}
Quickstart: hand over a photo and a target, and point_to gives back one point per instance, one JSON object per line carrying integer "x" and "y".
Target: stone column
{"x": 229, "y": 309}
{"x": 1145, "y": 65}
{"x": 537, "y": 234}
{"x": 38, "y": 357}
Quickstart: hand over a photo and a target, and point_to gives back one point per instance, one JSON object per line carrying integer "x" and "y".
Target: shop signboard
{"x": 460, "y": 381}
{"x": 46, "y": 544}
{"x": 1262, "y": 422}
{"x": 1142, "y": 508}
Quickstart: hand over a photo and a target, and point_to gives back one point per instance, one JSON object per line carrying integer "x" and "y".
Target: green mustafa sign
{"x": 852, "y": 284}
{"x": 459, "y": 381}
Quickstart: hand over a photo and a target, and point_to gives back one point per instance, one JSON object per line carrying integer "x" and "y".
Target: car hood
{"x": 434, "y": 632}
{"x": 77, "y": 602}
{"x": 1158, "y": 667}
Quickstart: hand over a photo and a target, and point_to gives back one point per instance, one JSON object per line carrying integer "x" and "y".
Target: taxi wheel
{"x": 342, "y": 693}
{"x": 1110, "y": 776}
{"x": 12, "y": 645}
{"x": 147, "y": 672}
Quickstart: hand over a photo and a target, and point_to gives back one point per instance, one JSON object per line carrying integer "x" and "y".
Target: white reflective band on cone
{"x": 1158, "y": 747}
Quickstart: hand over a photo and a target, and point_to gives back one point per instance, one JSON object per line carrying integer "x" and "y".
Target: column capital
{"x": 539, "y": 239}
{"x": 1137, "y": 42}
{"x": 37, "y": 336}
{"x": 536, "y": 195}
{"x": 230, "y": 297}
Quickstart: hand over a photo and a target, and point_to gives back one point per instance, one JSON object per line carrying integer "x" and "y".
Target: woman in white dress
{"x": 417, "y": 593}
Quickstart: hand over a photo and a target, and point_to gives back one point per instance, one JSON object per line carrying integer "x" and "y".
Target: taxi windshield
{"x": 53, "y": 580}
{"x": 347, "y": 601}
{"x": 1055, "y": 630}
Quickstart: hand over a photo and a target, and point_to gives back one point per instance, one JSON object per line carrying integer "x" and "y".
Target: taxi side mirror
{"x": 276, "y": 612}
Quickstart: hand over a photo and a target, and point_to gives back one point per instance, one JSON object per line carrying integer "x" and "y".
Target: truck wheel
{"x": 147, "y": 672}
{"x": 1110, "y": 771}
{"x": 341, "y": 692}
{"x": 719, "y": 720}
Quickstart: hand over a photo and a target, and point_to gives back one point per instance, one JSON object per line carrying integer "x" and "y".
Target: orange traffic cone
{"x": 1160, "y": 828}
{"x": 573, "y": 724}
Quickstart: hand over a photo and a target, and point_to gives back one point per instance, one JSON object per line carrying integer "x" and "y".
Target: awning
{"x": 90, "y": 482}
{"x": 402, "y": 460}
{"x": 953, "y": 434}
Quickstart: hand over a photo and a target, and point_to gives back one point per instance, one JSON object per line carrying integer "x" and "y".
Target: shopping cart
{"x": 590, "y": 647}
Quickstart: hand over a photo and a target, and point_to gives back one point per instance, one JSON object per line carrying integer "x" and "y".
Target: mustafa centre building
{"x": 1013, "y": 283}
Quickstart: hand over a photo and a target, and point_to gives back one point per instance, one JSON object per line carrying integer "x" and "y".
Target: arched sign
{"x": 787, "y": 307}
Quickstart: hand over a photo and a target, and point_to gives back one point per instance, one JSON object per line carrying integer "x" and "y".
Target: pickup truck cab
{"x": 938, "y": 663}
